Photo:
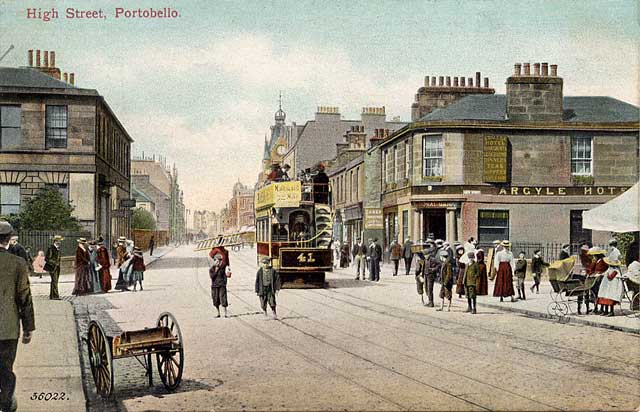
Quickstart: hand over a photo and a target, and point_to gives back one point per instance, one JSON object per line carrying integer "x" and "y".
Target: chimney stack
{"x": 48, "y": 66}
{"x": 30, "y": 58}
{"x": 537, "y": 97}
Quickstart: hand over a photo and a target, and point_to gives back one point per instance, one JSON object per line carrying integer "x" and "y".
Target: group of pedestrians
{"x": 367, "y": 258}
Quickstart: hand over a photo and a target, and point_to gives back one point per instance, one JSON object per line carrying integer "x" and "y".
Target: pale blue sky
{"x": 190, "y": 88}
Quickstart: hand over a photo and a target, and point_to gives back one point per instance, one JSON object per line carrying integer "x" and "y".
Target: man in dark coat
{"x": 218, "y": 275}
{"x": 407, "y": 255}
{"x": 17, "y": 249}
{"x": 52, "y": 265}
{"x": 267, "y": 285}
{"x": 375, "y": 255}
{"x": 16, "y": 307}
{"x": 152, "y": 245}
{"x": 432, "y": 269}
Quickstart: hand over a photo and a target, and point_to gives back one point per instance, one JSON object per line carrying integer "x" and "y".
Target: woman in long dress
{"x": 93, "y": 268}
{"x": 82, "y": 282}
{"x": 504, "y": 274}
{"x": 482, "y": 288}
{"x": 611, "y": 289}
{"x": 461, "y": 265}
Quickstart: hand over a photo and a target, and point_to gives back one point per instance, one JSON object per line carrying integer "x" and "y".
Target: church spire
{"x": 280, "y": 114}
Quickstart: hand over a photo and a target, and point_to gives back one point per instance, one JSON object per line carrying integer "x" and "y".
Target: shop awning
{"x": 619, "y": 215}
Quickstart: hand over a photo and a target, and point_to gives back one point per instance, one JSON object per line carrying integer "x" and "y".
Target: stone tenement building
{"x": 521, "y": 166}
{"x": 317, "y": 139}
{"x": 53, "y": 133}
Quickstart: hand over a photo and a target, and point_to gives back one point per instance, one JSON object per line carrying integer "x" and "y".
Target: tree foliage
{"x": 48, "y": 210}
{"x": 142, "y": 219}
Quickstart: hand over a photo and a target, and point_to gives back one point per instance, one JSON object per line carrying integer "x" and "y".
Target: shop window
{"x": 493, "y": 225}
{"x": 581, "y": 156}
{"x": 432, "y": 156}
{"x": 10, "y": 131}
{"x": 56, "y": 122}
{"x": 405, "y": 224}
{"x": 9, "y": 199}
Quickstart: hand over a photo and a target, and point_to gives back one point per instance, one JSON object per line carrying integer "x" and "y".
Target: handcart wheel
{"x": 171, "y": 362}
{"x": 100, "y": 359}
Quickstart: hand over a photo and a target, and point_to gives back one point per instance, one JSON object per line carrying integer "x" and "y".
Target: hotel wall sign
{"x": 562, "y": 191}
{"x": 373, "y": 218}
{"x": 496, "y": 159}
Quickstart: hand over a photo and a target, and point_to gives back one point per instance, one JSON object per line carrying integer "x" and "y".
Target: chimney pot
{"x": 433, "y": 80}
{"x": 545, "y": 69}
{"x": 463, "y": 81}
{"x": 478, "y": 79}
{"x": 455, "y": 82}
{"x": 554, "y": 70}
{"x": 486, "y": 82}
{"x": 536, "y": 69}
{"x": 527, "y": 69}
{"x": 426, "y": 81}
{"x": 448, "y": 81}
{"x": 46, "y": 59}
{"x": 37, "y": 58}
{"x": 441, "y": 81}
{"x": 65, "y": 76}
{"x": 52, "y": 59}
{"x": 470, "y": 81}
{"x": 72, "y": 79}
{"x": 517, "y": 69}
{"x": 30, "y": 54}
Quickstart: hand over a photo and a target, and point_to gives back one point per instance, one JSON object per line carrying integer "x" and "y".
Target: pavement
{"x": 48, "y": 370}
{"x": 536, "y": 305}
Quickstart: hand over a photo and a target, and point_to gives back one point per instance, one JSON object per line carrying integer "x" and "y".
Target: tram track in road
{"x": 300, "y": 354}
{"x": 444, "y": 343}
{"x": 299, "y": 294}
{"x": 466, "y": 325}
{"x": 432, "y": 322}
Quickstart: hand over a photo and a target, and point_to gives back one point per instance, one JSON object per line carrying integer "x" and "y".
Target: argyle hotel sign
{"x": 496, "y": 160}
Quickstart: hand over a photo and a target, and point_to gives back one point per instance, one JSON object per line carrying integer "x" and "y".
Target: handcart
{"x": 164, "y": 341}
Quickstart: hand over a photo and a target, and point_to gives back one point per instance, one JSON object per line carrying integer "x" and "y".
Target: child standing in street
{"x": 537, "y": 266}
{"x": 267, "y": 284}
{"x": 218, "y": 275}
{"x": 521, "y": 273}
{"x": 137, "y": 275}
{"x": 446, "y": 277}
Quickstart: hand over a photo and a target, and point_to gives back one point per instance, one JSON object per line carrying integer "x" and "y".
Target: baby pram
{"x": 569, "y": 285}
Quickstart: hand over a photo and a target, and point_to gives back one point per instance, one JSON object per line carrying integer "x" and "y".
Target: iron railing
{"x": 41, "y": 240}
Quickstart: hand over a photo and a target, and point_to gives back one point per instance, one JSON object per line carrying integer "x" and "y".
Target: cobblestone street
{"x": 356, "y": 346}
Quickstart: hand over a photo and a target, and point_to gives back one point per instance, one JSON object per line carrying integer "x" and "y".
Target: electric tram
{"x": 294, "y": 227}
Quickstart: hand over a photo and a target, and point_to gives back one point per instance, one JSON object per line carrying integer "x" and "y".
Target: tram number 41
{"x": 306, "y": 257}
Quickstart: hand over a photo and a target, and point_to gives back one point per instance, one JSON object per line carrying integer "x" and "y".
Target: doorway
{"x": 434, "y": 224}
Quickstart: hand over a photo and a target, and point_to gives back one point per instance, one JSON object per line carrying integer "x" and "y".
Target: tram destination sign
{"x": 300, "y": 258}
{"x": 496, "y": 159}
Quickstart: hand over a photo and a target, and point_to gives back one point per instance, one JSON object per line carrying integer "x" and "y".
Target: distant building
{"x": 152, "y": 176}
{"x": 240, "y": 209}
{"x": 521, "y": 166}
{"x": 143, "y": 201}
{"x": 208, "y": 222}
{"x": 53, "y": 133}
{"x": 317, "y": 140}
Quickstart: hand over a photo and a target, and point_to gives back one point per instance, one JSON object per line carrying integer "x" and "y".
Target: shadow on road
{"x": 349, "y": 283}
{"x": 178, "y": 262}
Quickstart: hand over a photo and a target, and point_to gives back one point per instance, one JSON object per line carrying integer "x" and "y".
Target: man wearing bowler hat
{"x": 52, "y": 265}
{"x": 16, "y": 307}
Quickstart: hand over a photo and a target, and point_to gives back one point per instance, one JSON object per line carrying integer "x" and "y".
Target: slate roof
{"x": 596, "y": 109}
{"x": 30, "y": 77}
{"x": 139, "y": 195}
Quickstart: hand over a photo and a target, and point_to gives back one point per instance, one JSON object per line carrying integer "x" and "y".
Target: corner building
{"x": 521, "y": 166}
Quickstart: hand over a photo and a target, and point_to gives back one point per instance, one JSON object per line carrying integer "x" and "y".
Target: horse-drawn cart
{"x": 164, "y": 341}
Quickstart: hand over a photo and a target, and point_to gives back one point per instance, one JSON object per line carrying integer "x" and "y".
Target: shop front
{"x": 353, "y": 223}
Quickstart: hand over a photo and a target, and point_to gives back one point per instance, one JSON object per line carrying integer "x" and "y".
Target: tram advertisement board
{"x": 281, "y": 194}
{"x": 301, "y": 258}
